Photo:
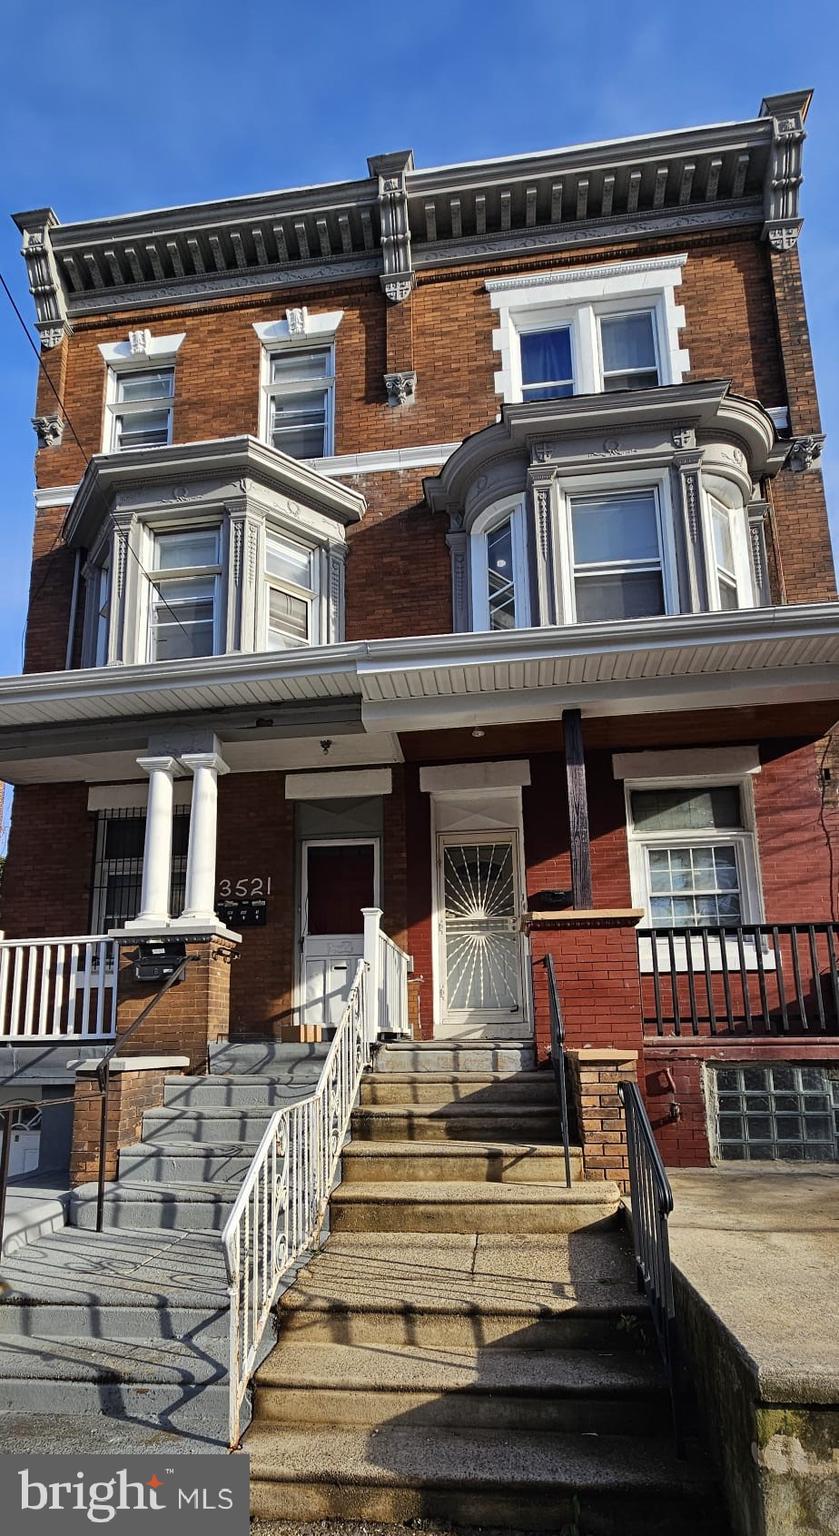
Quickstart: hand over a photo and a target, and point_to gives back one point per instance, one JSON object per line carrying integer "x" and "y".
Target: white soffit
{"x": 350, "y": 783}
{"x": 475, "y": 778}
{"x": 693, "y": 763}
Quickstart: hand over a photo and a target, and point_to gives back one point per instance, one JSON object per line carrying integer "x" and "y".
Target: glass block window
{"x": 546, "y": 367}
{"x": 693, "y": 855}
{"x": 627, "y": 346}
{"x": 778, "y": 1112}
{"x": 617, "y": 556}
{"x": 118, "y": 866}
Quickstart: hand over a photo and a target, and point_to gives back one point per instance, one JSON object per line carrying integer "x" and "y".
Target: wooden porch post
{"x": 575, "y": 772}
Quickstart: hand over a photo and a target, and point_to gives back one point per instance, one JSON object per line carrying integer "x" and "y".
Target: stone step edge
{"x": 148, "y": 1190}
{"x": 477, "y": 1192}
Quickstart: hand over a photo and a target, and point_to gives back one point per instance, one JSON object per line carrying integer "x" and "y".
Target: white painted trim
{"x": 614, "y": 482}
{"x": 474, "y": 778}
{"x": 576, "y": 297}
{"x": 54, "y": 496}
{"x": 514, "y": 509}
{"x": 339, "y": 784}
{"x": 158, "y": 349}
{"x": 693, "y": 763}
{"x": 317, "y": 328}
{"x": 132, "y": 797}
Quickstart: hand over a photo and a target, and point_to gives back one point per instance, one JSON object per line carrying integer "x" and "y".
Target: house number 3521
{"x": 252, "y": 885}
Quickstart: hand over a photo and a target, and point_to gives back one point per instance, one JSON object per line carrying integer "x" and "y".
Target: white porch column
{"x": 157, "y": 853}
{"x": 199, "y": 899}
{"x": 372, "y": 927}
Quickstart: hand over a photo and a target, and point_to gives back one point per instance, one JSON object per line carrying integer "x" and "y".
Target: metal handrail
{"x": 557, "y": 1024}
{"x": 651, "y": 1197}
{"x": 103, "y": 1078}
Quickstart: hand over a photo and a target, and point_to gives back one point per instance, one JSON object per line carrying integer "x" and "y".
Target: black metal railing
{"x": 652, "y": 1202}
{"x": 558, "y": 1057}
{"x": 103, "y": 1078}
{"x": 742, "y": 979}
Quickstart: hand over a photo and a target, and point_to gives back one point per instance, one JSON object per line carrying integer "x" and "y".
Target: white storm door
{"x": 480, "y": 910}
{"x": 339, "y": 878}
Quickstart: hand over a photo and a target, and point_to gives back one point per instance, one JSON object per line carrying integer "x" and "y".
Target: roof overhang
{"x": 188, "y": 464}
{"x": 704, "y": 661}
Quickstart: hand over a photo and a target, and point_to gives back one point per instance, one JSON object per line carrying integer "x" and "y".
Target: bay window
{"x": 102, "y": 630}
{"x": 617, "y": 556}
{"x": 290, "y": 579}
{"x": 500, "y": 588}
{"x": 299, "y": 395}
{"x": 141, "y": 410}
{"x": 184, "y": 594}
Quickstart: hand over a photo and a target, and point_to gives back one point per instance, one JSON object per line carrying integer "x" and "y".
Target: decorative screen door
{"x": 479, "y": 921}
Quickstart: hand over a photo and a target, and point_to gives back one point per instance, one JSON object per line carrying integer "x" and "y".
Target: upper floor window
{"x": 184, "y": 596}
{"x": 300, "y": 393}
{"x": 617, "y": 556}
{"x": 141, "y": 412}
{"x": 102, "y": 635}
{"x": 628, "y": 351}
{"x": 290, "y": 575}
{"x": 500, "y": 567}
{"x": 547, "y": 372}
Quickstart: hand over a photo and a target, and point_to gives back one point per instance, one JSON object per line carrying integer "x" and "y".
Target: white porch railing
{"x": 388, "y": 968}
{"x": 280, "y": 1209}
{"x": 58, "y": 989}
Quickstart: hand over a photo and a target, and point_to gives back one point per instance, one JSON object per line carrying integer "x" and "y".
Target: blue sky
{"x": 107, "y": 108}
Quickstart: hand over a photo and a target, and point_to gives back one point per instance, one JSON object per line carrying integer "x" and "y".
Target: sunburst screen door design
{"x": 481, "y": 943}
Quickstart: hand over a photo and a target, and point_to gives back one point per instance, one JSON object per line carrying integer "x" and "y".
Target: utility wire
{"x": 120, "y": 532}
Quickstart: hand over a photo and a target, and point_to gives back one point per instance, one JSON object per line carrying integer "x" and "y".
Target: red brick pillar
{"x": 193, "y": 1014}
{"x": 135, "y": 1086}
{"x": 595, "y": 1075}
{"x": 595, "y": 955}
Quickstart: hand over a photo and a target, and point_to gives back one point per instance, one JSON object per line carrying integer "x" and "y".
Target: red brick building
{"x": 451, "y": 541}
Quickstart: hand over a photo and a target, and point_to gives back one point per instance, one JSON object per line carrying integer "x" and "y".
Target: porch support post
{"x": 157, "y": 853}
{"x": 372, "y": 924}
{"x": 199, "y": 897}
{"x": 575, "y": 771}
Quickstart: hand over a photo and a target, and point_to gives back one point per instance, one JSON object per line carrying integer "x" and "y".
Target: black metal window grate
{"x": 779, "y": 1112}
{"x": 118, "y": 866}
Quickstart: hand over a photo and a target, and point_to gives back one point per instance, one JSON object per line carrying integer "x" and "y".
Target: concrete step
{"x": 255, "y": 1056}
{"x": 546, "y": 1481}
{"x": 142, "y": 1322}
{"x": 457, "y": 1122}
{"x": 507, "y": 1163}
{"x": 473, "y": 1207}
{"x": 246, "y": 1092}
{"x": 180, "y": 1385}
{"x": 582, "y": 1391}
{"x": 440, "y": 1056}
{"x": 175, "y": 1163}
{"x": 474, "y": 1088}
{"x": 186, "y": 1207}
{"x": 206, "y": 1127}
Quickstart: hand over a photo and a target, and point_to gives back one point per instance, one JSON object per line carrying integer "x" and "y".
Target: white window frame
{"x": 578, "y": 297}
{"x": 119, "y": 410}
{"x": 745, "y": 843}
{"x": 299, "y": 331}
{"x": 311, "y": 596}
{"x": 514, "y": 509}
{"x": 615, "y": 484}
{"x": 141, "y": 353}
{"x": 151, "y": 533}
{"x": 739, "y": 531}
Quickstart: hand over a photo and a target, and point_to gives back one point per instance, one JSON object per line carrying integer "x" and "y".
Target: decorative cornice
{"x": 391, "y": 172}
{"x": 782, "y": 183}
{"x": 574, "y": 274}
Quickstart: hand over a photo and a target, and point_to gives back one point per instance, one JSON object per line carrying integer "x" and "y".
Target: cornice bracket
{"x": 391, "y": 171}
{"x": 782, "y": 185}
{"x": 42, "y": 272}
{"x": 805, "y": 452}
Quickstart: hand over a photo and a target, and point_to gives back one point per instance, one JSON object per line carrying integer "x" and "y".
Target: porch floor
{"x": 760, "y": 1244}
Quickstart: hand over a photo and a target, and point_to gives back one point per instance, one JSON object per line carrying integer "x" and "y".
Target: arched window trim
{"x": 513, "y": 508}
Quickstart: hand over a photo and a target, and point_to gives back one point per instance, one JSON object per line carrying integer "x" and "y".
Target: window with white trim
{"x": 300, "y": 400}
{"x": 617, "y": 556}
{"x": 692, "y": 854}
{"x": 291, "y": 590}
{"x": 500, "y": 576}
{"x": 141, "y": 408}
{"x": 547, "y": 369}
{"x": 628, "y": 357}
{"x": 183, "y": 602}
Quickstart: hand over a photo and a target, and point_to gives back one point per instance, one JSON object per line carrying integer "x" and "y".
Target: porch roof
{"x": 701, "y": 661}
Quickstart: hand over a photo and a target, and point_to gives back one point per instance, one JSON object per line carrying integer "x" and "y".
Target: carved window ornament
{"x": 401, "y": 388}
{"x": 806, "y": 452}
{"x": 49, "y": 430}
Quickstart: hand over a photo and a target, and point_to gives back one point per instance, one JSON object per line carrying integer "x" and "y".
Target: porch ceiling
{"x": 778, "y": 656}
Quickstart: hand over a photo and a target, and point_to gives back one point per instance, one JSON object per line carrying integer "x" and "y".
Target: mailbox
{"x": 551, "y": 901}
{"x": 158, "y": 958}
{"x": 250, "y": 912}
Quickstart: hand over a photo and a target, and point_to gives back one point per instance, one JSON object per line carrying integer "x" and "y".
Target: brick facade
{"x": 193, "y": 1015}
{"x": 130, "y": 1094}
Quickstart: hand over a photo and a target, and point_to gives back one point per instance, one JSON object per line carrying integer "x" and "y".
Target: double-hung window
{"x": 184, "y": 594}
{"x": 547, "y": 371}
{"x": 141, "y": 410}
{"x": 300, "y": 395}
{"x": 724, "y": 573}
{"x": 628, "y": 351}
{"x": 101, "y": 641}
{"x": 617, "y": 556}
{"x": 290, "y": 577}
{"x": 693, "y": 855}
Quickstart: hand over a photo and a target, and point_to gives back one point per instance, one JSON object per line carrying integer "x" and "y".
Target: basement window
{"x": 781, "y": 1113}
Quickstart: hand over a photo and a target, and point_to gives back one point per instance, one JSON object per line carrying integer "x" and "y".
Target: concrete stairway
{"x": 130, "y": 1326}
{"x": 469, "y": 1346}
